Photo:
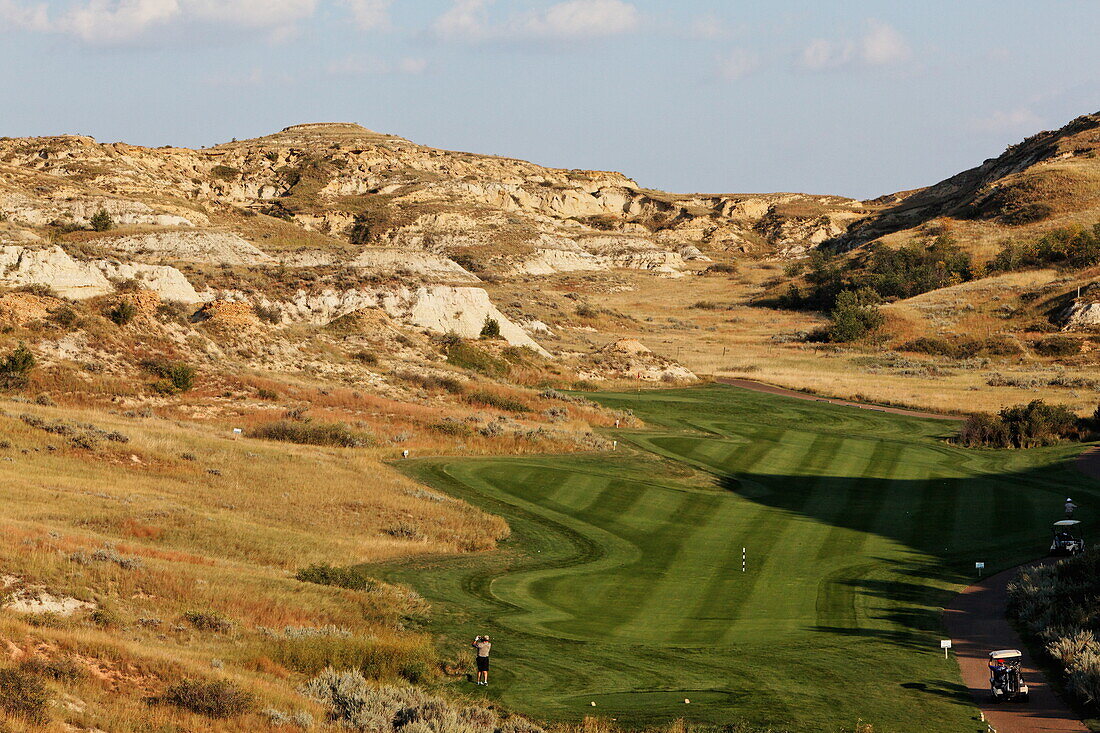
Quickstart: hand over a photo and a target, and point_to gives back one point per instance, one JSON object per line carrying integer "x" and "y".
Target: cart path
{"x": 1089, "y": 462}
{"x": 975, "y": 621}
{"x": 756, "y": 386}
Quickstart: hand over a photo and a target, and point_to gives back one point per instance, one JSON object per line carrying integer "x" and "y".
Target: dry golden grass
{"x": 190, "y": 539}
{"x": 742, "y": 341}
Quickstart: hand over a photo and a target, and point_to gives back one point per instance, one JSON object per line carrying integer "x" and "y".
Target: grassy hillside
{"x": 622, "y": 582}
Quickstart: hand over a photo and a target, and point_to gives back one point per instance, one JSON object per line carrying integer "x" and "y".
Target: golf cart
{"x": 1005, "y": 679}
{"x": 1065, "y": 542}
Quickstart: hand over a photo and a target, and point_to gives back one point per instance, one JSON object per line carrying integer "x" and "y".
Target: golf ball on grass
{"x": 686, "y": 701}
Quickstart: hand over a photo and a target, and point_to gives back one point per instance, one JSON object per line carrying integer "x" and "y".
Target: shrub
{"x": 484, "y": 398}
{"x": 433, "y": 381}
{"x": 490, "y": 329}
{"x": 1058, "y": 346}
{"x": 101, "y": 221}
{"x": 175, "y": 376}
{"x": 208, "y": 621}
{"x": 15, "y": 368}
{"x": 354, "y": 703}
{"x": 267, "y": 394}
{"x": 1073, "y": 247}
{"x": 1027, "y": 214}
{"x": 122, "y": 312}
{"x": 378, "y": 659}
{"x": 352, "y": 578}
{"x": 1055, "y": 604}
{"x": 224, "y": 172}
{"x": 1022, "y": 426}
{"x": 61, "y": 669}
{"x": 450, "y": 426}
{"x": 855, "y": 315}
{"x": 40, "y": 289}
{"x": 367, "y": 357}
{"x": 24, "y": 695}
{"x": 468, "y": 356}
{"x": 64, "y": 316}
{"x": 311, "y": 433}
{"x": 218, "y": 699}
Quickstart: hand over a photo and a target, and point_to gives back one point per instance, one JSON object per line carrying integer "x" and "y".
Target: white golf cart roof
{"x": 1067, "y": 523}
{"x": 1006, "y": 654}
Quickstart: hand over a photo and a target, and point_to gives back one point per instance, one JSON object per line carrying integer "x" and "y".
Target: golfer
{"x": 1070, "y": 507}
{"x": 483, "y": 645}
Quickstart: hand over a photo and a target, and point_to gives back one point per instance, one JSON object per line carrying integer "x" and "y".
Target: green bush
{"x": 311, "y": 433}
{"x": 1058, "y": 346}
{"x": 175, "y": 376}
{"x": 455, "y": 428}
{"x": 433, "y": 381}
{"x": 208, "y": 621}
{"x": 855, "y": 315}
{"x": 15, "y": 368}
{"x": 101, "y": 221}
{"x": 468, "y": 356}
{"x": 352, "y": 578}
{"x": 219, "y": 699}
{"x": 23, "y": 695}
{"x": 891, "y": 273}
{"x": 1022, "y": 426}
{"x": 224, "y": 172}
{"x": 484, "y": 398}
{"x": 65, "y": 317}
{"x": 122, "y": 312}
{"x": 490, "y": 329}
{"x": 1073, "y": 247}
{"x": 366, "y": 357}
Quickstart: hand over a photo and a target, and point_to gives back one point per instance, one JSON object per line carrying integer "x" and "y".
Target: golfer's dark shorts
{"x": 483, "y": 664}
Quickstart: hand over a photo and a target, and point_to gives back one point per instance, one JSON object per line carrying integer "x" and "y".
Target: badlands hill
{"x": 1050, "y": 179}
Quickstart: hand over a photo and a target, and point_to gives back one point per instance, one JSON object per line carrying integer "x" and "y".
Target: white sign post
{"x": 979, "y": 566}
{"x": 945, "y": 644}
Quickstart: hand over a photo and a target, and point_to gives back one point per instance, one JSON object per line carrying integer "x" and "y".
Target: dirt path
{"x": 976, "y": 623}
{"x": 772, "y": 389}
{"x": 1089, "y": 462}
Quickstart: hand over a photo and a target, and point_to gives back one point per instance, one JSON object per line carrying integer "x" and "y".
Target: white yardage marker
{"x": 743, "y": 559}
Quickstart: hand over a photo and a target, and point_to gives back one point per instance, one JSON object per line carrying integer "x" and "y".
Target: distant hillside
{"x": 1049, "y": 178}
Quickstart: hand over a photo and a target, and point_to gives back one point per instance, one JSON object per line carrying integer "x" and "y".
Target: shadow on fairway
{"x": 999, "y": 519}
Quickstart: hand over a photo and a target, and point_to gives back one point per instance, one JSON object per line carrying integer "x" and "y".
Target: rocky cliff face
{"x": 347, "y": 183}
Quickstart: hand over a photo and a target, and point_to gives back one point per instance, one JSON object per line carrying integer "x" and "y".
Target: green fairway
{"x": 623, "y": 585}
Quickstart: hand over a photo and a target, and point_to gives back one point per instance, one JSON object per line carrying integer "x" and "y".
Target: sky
{"x": 851, "y": 98}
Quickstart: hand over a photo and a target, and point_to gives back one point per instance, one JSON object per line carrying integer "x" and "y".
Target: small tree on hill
{"x": 855, "y": 315}
{"x": 491, "y": 329}
{"x": 101, "y": 221}
{"x": 16, "y": 368}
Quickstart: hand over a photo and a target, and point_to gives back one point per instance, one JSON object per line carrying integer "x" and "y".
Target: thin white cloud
{"x": 879, "y": 45}
{"x": 575, "y": 19}
{"x": 370, "y": 14}
{"x": 114, "y": 21}
{"x": 820, "y": 54}
{"x": 1019, "y": 119}
{"x": 737, "y": 64}
{"x": 710, "y": 28}
{"x": 465, "y": 20}
{"x": 16, "y": 16}
{"x": 468, "y": 21}
{"x": 103, "y": 21}
{"x": 882, "y": 45}
{"x": 355, "y": 65}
